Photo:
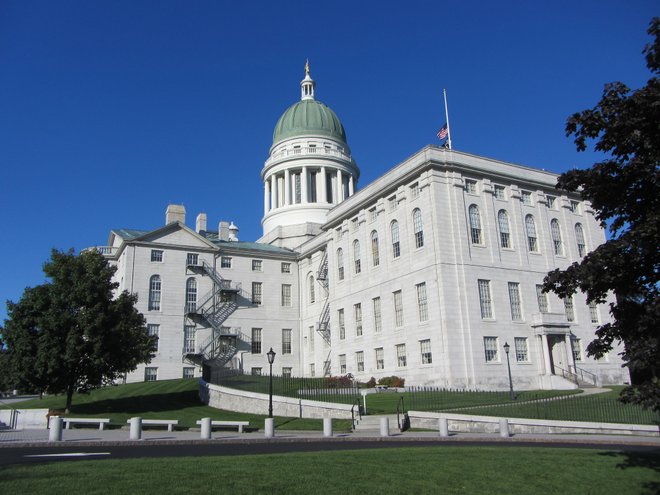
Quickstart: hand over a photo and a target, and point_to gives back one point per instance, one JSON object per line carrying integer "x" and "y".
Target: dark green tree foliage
{"x": 624, "y": 190}
{"x": 70, "y": 334}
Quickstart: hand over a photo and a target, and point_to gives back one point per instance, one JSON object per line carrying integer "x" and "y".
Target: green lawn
{"x": 441, "y": 469}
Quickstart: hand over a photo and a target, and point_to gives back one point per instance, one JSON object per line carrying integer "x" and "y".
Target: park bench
{"x": 239, "y": 424}
{"x": 86, "y": 421}
{"x": 170, "y": 423}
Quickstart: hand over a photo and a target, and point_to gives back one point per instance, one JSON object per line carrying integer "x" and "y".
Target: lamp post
{"x": 508, "y": 365}
{"x": 271, "y": 357}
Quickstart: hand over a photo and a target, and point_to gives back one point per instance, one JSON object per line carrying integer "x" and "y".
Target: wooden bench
{"x": 86, "y": 421}
{"x": 239, "y": 424}
{"x": 170, "y": 423}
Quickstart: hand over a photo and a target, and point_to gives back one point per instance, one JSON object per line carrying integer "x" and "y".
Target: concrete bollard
{"x": 504, "y": 428}
{"x": 269, "y": 427}
{"x": 55, "y": 433}
{"x": 384, "y": 427}
{"x": 136, "y": 429}
{"x": 327, "y": 427}
{"x": 206, "y": 428}
{"x": 443, "y": 427}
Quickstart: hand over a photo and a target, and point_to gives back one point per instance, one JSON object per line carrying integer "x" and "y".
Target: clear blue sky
{"x": 110, "y": 110}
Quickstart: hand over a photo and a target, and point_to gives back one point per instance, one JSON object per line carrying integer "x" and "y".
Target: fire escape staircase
{"x": 212, "y": 311}
{"x": 323, "y": 325}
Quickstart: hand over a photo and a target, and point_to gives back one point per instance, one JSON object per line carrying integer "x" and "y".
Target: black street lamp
{"x": 508, "y": 365}
{"x": 271, "y": 357}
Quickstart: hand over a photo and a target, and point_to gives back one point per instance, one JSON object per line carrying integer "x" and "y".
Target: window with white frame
{"x": 312, "y": 370}
{"x": 378, "y": 322}
{"x": 555, "y": 232}
{"x": 401, "y": 359}
{"x": 153, "y": 330}
{"x": 491, "y": 349}
{"x": 311, "y": 336}
{"x": 286, "y": 372}
{"x": 425, "y": 350}
{"x": 594, "y": 314}
{"x": 520, "y": 345}
{"x": 340, "y": 263}
{"x": 356, "y": 257}
{"x": 398, "y": 308}
{"x": 257, "y": 265}
{"x": 574, "y": 206}
{"x": 414, "y": 190}
{"x": 191, "y": 295}
{"x": 579, "y": 239}
{"x": 380, "y": 358}
{"x": 475, "y": 224}
{"x": 526, "y": 197}
{"x": 552, "y": 202}
{"x": 188, "y": 372}
{"x": 154, "y": 293}
{"x": 422, "y": 304}
{"x": 359, "y": 360}
{"x": 500, "y": 192}
{"x": 225, "y": 262}
{"x": 342, "y": 364}
{"x": 255, "y": 371}
{"x": 286, "y": 267}
{"x": 471, "y": 186}
{"x": 418, "y": 228}
{"x": 576, "y": 347}
{"x": 150, "y": 374}
{"x": 192, "y": 259}
{"x": 286, "y": 341}
{"x": 569, "y": 310}
{"x": 505, "y": 231}
{"x": 312, "y": 290}
{"x": 373, "y": 214}
{"x": 530, "y": 228}
{"x": 357, "y": 311}
{"x": 341, "y": 318}
{"x": 375, "y": 252}
{"x": 157, "y": 255}
{"x": 256, "y": 340}
{"x": 286, "y": 295}
{"x": 391, "y": 201}
{"x": 514, "y": 300}
{"x": 542, "y": 298}
{"x": 188, "y": 339}
{"x": 257, "y": 293}
{"x": 396, "y": 246}
{"x": 485, "y": 301}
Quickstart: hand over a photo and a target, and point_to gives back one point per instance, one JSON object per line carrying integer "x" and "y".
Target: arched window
{"x": 505, "y": 232}
{"x": 154, "y": 293}
{"x": 555, "y": 231}
{"x": 191, "y": 295}
{"x": 396, "y": 246}
{"x": 312, "y": 294}
{"x": 356, "y": 256}
{"x": 340, "y": 263}
{"x": 418, "y": 228}
{"x": 475, "y": 225}
{"x": 579, "y": 238}
{"x": 375, "y": 255}
{"x": 530, "y": 227}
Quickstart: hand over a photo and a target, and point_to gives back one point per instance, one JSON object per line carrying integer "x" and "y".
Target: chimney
{"x": 175, "y": 213}
{"x": 233, "y": 232}
{"x": 200, "y": 223}
{"x": 223, "y": 231}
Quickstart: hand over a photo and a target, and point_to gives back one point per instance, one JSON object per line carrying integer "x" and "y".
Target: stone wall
{"x": 24, "y": 419}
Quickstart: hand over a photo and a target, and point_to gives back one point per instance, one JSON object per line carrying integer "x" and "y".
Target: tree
{"x": 70, "y": 334}
{"x": 624, "y": 190}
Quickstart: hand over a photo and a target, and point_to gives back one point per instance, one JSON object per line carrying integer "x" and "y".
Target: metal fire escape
{"x": 215, "y": 307}
{"x": 323, "y": 325}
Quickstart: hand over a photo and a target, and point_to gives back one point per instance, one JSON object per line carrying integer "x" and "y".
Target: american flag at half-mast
{"x": 442, "y": 133}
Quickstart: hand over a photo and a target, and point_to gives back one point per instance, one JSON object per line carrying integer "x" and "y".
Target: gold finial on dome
{"x": 307, "y": 67}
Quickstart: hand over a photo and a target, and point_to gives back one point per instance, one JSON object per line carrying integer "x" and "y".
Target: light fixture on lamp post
{"x": 508, "y": 365}
{"x": 271, "y": 358}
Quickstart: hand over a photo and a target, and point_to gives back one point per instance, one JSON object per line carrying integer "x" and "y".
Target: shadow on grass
{"x": 644, "y": 460}
{"x": 139, "y": 404}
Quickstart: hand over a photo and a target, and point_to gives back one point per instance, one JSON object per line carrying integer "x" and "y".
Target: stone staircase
{"x": 372, "y": 423}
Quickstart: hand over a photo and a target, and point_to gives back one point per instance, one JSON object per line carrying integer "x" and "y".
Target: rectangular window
{"x": 286, "y": 341}
{"x": 192, "y": 259}
{"x": 342, "y": 324}
{"x": 286, "y": 295}
{"x": 188, "y": 372}
{"x": 256, "y": 341}
{"x": 312, "y": 370}
{"x": 156, "y": 255}
{"x": 297, "y": 189}
{"x": 526, "y": 198}
{"x": 398, "y": 309}
{"x": 150, "y": 374}
{"x": 522, "y": 356}
{"x": 594, "y": 313}
{"x": 256, "y": 293}
{"x": 576, "y": 346}
{"x": 552, "y": 202}
{"x": 425, "y": 350}
{"x": 414, "y": 190}
{"x": 256, "y": 265}
{"x": 225, "y": 262}
{"x": 500, "y": 192}
{"x": 357, "y": 310}
{"x": 189, "y": 339}
{"x": 568, "y": 308}
{"x": 286, "y": 372}
{"x": 373, "y": 214}
{"x": 286, "y": 267}
{"x": 574, "y": 206}
{"x": 378, "y": 322}
{"x": 471, "y": 186}
{"x": 380, "y": 358}
{"x": 401, "y": 359}
{"x": 514, "y": 299}
{"x": 342, "y": 364}
{"x": 312, "y": 331}
{"x": 359, "y": 360}
{"x": 542, "y": 298}
{"x": 153, "y": 331}
{"x": 391, "y": 201}
{"x": 485, "y": 301}
{"x": 491, "y": 349}
{"x": 255, "y": 371}
{"x": 422, "y": 305}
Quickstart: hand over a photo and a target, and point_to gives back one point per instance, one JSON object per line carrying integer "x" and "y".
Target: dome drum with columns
{"x": 309, "y": 170}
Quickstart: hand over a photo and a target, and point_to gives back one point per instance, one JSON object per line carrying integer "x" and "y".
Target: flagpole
{"x": 444, "y": 92}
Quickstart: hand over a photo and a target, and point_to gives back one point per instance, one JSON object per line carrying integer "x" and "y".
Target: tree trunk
{"x": 69, "y": 398}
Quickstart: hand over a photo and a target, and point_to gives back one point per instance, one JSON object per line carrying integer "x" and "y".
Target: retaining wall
{"x": 24, "y": 419}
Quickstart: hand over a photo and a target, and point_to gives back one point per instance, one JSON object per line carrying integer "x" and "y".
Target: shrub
{"x": 392, "y": 381}
{"x": 339, "y": 382}
{"x": 371, "y": 383}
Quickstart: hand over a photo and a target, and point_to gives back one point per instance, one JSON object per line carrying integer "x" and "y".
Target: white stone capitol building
{"x": 425, "y": 273}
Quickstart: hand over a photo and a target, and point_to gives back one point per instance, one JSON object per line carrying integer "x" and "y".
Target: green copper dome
{"x": 307, "y": 117}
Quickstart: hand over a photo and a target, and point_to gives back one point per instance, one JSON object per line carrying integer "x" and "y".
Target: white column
{"x": 546, "y": 354}
{"x": 273, "y": 189}
{"x": 287, "y": 188}
{"x": 338, "y": 187}
{"x": 303, "y": 182}
{"x": 351, "y": 186}
{"x": 266, "y": 196}
{"x": 324, "y": 182}
{"x": 569, "y": 352}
